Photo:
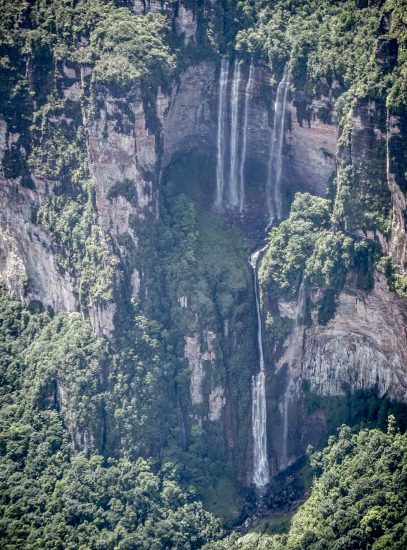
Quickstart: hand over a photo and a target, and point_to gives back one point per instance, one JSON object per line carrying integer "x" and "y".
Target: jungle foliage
{"x": 54, "y": 399}
{"x": 306, "y": 248}
{"x": 358, "y": 498}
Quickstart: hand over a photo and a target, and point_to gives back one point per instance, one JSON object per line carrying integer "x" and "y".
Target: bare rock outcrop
{"x": 362, "y": 347}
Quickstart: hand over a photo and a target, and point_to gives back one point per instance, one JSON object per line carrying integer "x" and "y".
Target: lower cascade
{"x": 261, "y": 473}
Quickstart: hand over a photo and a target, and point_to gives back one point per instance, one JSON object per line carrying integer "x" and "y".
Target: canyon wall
{"x": 362, "y": 346}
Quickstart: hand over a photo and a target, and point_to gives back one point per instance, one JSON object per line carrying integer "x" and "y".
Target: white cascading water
{"x": 275, "y": 163}
{"x": 234, "y": 138}
{"x": 261, "y": 472}
{"x": 248, "y": 91}
{"x": 235, "y": 155}
{"x": 220, "y": 167}
{"x": 298, "y": 318}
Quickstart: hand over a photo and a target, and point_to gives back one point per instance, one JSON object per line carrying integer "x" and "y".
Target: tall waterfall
{"x": 248, "y": 91}
{"x": 275, "y": 162}
{"x": 298, "y": 318}
{"x": 261, "y": 474}
{"x": 234, "y": 138}
{"x": 230, "y": 161}
{"x": 220, "y": 166}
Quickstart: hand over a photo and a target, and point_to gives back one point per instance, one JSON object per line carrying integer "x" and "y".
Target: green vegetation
{"x": 304, "y": 246}
{"x": 307, "y": 248}
{"x": 100, "y": 444}
{"x": 356, "y": 408}
{"x": 91, "y": 261}
{"x": 54, "y": 397}
{"x": 52, "y": 400}
{"x": 120, "y": 46}
{"x": 127, "y": 47}
{"x": 349, "y": 54}
{"x": 204, "y": 265}
{"x": 363, "y": 199}
{"x": 335, "y": 42}
{"x": 292, "y": 243}
{"x": 397, "y": 281}
{"x": 358, "y": 498}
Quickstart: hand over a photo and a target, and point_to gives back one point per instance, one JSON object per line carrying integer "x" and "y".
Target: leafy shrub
{"x": 303, "y": 246}
{"x": 127, "y": 46}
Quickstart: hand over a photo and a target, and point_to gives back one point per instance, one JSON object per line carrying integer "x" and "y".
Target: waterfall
{"x": 261, "y": 474}
{"x": 220, "y": 168}
{"x": 244, "y": 144}
{"x": 275, "y": 160}
{"x": 233, "y": 157}
{"x": 234, "y": 138}
{"x": 298, "y": 318}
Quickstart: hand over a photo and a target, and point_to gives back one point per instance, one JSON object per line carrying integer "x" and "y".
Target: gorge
{"x": 203, "y": 274}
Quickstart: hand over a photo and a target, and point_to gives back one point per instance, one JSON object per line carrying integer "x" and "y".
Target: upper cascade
{"x": 234, "y": 138}
{"x": 248, "y": 92}
{"x": 273, "y": 187}
{"x": 232, "y": 125}
{"x": 220, "y": 168}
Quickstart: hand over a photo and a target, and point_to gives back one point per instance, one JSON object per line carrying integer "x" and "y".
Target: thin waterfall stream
{"x": 234, "y": 138}
{"x": 248, "y": 92}
{"x": 261, "y": 471}
{"x": 220, "y": 166}
{"x": 273, "y": 187}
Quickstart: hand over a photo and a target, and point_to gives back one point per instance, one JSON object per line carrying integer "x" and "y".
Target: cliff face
{"x": 141, "y": 152}
{"x": 28, "y": 263}
{"x": 311, "y": 143}
{"x": 396, "y": 132}
{"x": 132, "y": 143}
{"x": 362, "y": 346}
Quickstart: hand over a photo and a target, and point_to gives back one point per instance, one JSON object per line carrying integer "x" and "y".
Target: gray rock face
{"x": 144, "y": 6}
{"x": 387, "y": 52}
{"x": 363, "y": 346}
{"x": 186, "y": 23}
{"x": 122, "y": 149}
{"x": 310, "y": 153}
{"x": 189, "y": 123}
{"x": 396, "y": 160}
{"x": 368, "y": 132}
{"x": 28, "y": 264}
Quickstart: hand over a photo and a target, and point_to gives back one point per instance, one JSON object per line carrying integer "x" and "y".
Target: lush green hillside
{"x": 358, "y": 498}
{"x": 54, "y": 497}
